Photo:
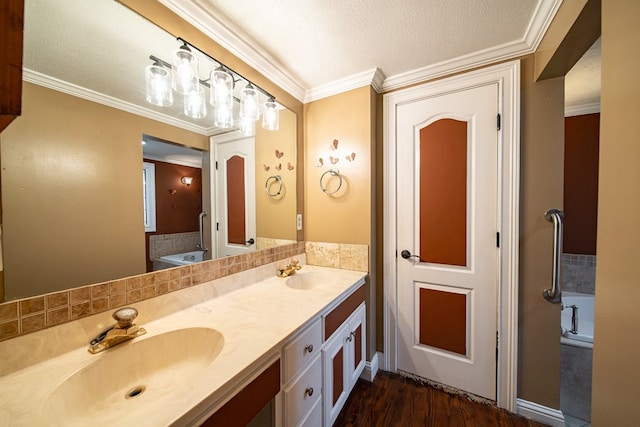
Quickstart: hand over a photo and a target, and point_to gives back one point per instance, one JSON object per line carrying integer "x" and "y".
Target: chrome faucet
{"x": 122, "y": 331}
{"x": 289, "y": 269}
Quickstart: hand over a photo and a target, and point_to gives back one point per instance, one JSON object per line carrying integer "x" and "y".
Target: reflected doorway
{"x": 235, "y": 207}
{"x": 179, "y": 188}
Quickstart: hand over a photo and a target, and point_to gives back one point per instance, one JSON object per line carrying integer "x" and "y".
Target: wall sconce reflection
{"x": 187, "y": 180}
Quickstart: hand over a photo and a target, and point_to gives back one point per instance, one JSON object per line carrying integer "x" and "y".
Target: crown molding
{"x": 100, "y": 98}
{"x": 235, "y": 42}
{"x": 373, "y": 77}
{"x": 538, "y": 25}
{"x": 579, "y": 110}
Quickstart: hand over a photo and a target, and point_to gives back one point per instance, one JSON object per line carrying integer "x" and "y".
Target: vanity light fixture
{"x": 195, "y": 105}
{"x": 271, "y": 115}
{"x": 158, "y": 85}
{"x": 184, "y": 77}
{"x": 185, "y": 69}
{"x": 187, "y": 180}
{"x": 249, "y": 108}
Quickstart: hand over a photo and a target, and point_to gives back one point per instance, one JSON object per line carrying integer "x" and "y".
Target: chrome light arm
{"x": 554, "y": 294}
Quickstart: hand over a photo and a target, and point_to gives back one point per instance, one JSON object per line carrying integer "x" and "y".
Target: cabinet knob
{"x": 309, "y": 391}
{"x": 308, "y": 348}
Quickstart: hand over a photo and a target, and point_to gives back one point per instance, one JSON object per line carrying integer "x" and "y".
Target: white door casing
{"x": 471, "y": 284}
{"x": 225, "y": 147}
{"x": 506, "y": 76}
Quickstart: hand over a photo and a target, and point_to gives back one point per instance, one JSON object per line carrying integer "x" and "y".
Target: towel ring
{"x": 332, "y": 173}
{"x": 278, "y": 179}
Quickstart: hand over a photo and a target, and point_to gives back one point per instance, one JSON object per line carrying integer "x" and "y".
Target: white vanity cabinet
{"x": 322, "y": 362}
{"x": 302, "y": 377}
{"x": 343, "y": 360}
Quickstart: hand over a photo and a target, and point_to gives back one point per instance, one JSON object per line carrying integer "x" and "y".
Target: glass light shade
{"x": 247, "y": 126}
{"x": 271, "y": 115}
{"x": 222, "y": 118}
{"x": 185, "y": 70}
{"x": 249, "y": 108}
{"x": 158, "y": 85}
{"x": 195, "y": 105}
{"x": 221, "y": 95}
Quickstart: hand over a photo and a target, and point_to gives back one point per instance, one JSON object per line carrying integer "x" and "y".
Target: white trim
{"x": 237, "y": 42}
{"x": 149, "y": 196}
{"x": 538, "y": 25}
{"x": 40, "y": 79}
{"x": 371, "y": 368}
{"x": 579, "y": 110}
{"x": 507, "y": 76}
{"x": 374, "y": 77}
{"x": 543, "y": 414}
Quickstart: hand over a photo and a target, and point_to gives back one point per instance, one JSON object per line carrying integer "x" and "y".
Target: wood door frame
{"x": 507, "y": 76}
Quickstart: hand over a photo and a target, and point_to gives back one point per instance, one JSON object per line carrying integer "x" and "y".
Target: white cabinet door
{"x": 344, "y": 359}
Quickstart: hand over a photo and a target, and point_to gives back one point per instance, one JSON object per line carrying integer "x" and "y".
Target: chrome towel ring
{"x": 331, "y": 172}
{"x": 269, "y": 182}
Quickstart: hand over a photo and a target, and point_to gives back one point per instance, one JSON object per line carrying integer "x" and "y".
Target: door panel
{"x": 447, "y": 214}
{"x": 235, "y": 195}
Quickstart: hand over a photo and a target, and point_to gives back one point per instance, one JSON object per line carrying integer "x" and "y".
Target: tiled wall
{"x": 579, "y": 273}
{"x": 27, "y": 315}
{"x": 338, "y": 255}
{"x": 169, "y": 244}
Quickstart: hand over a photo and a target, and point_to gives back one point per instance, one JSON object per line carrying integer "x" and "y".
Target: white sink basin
{"x": 306, "y": 280}
{"x": 132, "y": 375}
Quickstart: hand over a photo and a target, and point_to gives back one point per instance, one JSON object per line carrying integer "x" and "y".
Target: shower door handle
{"x": 554, "y": 293}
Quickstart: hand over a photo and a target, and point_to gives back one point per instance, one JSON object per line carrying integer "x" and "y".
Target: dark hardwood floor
{"x": 394, "y": 400}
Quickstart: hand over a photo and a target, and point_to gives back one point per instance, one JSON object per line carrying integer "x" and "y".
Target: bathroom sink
{"x": 307, "y": 280}
{"x": 134, "y": 375}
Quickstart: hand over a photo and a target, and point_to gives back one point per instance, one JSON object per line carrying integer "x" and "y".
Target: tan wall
{"x": 542, "y": 154}
{"x": 349, "y": 215}
{"x": 277, "y": 214}
{"x": 72, "y": 193}
{"x": 616, "y": 378}
{"x": 344, "y": 217}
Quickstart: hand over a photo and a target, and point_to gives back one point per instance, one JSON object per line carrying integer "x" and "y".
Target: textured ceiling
{"x": 582, "y": 82}
{"x": 319, "y": 42}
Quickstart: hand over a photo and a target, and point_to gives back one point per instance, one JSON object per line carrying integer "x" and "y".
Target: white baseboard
{"x": 534, "y": 411}
{"x": 370, "y": 368}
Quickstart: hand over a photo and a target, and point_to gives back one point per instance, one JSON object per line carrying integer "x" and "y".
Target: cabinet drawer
{"x": 314, "y": 418}
{"x": 302, "y": 349}
{"x": 301, "y": 396}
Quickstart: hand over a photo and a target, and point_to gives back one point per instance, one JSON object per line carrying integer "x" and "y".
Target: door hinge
{"x": 499, "y": 122}
{"x": 217, "y": 226}
{"x": 498, "y": 239}
{"x": 216, "y": 165}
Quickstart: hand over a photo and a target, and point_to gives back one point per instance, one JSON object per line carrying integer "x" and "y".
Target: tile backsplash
{"x": 20, "y": 317}
{"x": 338, "y": 255}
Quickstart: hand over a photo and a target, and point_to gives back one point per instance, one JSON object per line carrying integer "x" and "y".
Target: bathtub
{"x": 185, "y": 258}
{"x": 584, "y": 302}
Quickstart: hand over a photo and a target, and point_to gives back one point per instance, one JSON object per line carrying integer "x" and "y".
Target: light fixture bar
{"x": 268, "y": 95}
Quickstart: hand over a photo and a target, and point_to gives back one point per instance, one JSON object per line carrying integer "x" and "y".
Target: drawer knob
{"x": 309, "y": 391}
{"x": 308, "y": 347}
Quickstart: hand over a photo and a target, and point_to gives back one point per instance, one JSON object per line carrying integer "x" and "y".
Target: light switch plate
{"x": 299, "y": 222}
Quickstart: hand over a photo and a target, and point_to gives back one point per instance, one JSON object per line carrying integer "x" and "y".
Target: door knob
{"x": 406, "y": 255}
{"x": 250, "y": 242}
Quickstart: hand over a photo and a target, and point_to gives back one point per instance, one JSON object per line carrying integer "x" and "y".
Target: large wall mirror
{"x": 74, "y": 201}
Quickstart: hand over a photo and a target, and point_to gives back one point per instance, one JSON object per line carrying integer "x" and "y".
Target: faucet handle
{"x": 125, "y": 317}
{"x": 294, "y": 261}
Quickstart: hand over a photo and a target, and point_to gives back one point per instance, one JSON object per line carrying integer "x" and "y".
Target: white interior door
{"x": 235, "y": 228}
{"x": 447, "y": 220}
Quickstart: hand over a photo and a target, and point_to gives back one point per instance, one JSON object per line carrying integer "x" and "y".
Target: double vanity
{"x": 213, "y": 354}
